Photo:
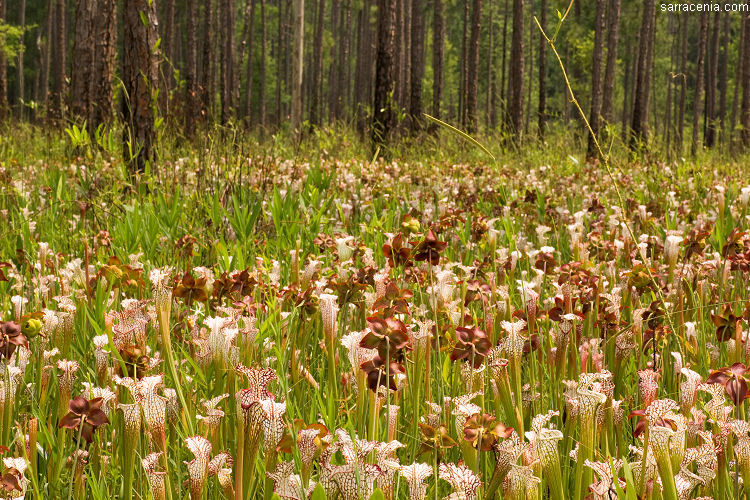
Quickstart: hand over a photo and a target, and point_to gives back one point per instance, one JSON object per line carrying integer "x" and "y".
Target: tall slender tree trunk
{"x": 712, "y": 70}
{"x": 699, "y": 81}
{"x": 140, "y": 78}
{"x": 3, "y": 71}
{"x": 317, "y": 67}
{"x": 345, "y": 49}
{"x": 59, "y": 58}
{"x": 279, "y": 66}
{"x": 514, "y": 118}
{"x": 83, "y": 55}
{"x": 628, "y": 77}
{"x": 417, "y": 63}
{"x": 250, "y": 22}
{"x": 45, "y": 51}
{"x": 596, "y": 76}
{"x": 363, "y": 77}
{"x": 741, "y": 56}
{"x": 473, "y": 67}
{"x": 297, "y": 58}
{"x": 642, "y": 86}
{"x": 542, "y": 105}
{"x": 668, "y": 104}
{"x": 684, "y": 30}
{"x": 21, "y": 80}
{"x": 105, "y": 62}
{"x": 167, "y": 56}
{"x": 723, "y": 63}
{"x": 207, "y": 68}
{"x": 263, "y": 55}
{"x": 490, "y": 57}
{"x": 613, "y": 39}
{"x": 746, "y": 87}
{"x": 316, "y": 95}
{"x": 226, "y": 76}
{"x": 463, "y": 86}
{"x": 191, "y": 67}
{"x": 169, "y": 31}
{"x": 503, "y": 94}
{"x": 334, "y": 72}
{"x": 438, "y": 44}
{"x": 530, "y": 66}
{"x": 406, "y": 51}
{"x": 382, "y": 116}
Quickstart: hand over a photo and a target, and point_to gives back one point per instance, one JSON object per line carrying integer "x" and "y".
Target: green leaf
{"x": 630, "y": 482}
{"x": 275, "y": 497}
{"x": 377, "y": 495}
{"x": 446, "y": 370}
{"x": 620, "y": 492}
{"x": 318, "y": 493}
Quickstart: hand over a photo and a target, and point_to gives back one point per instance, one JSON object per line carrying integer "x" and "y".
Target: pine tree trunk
{"x": 57, "y": 99}
{"x": 667, "y": 122}
{"x": 712, "y": 68}
{"x": 297, "y": 58}
{"x": 363, "y": 74}
{"x": 45, "y": 50}
{"x": 334, "y": 72}
{"x": 503, "y": 93}
{"x": 738, "y": 79}
{"x": 279, "y": 66}
{"x": 382, "y": 117}
{"x": 613, "y": 38}
{"x": 463, "y": 87}
{"x": 346, "y": 47}
{"x": 630, "y": 68}
{"x": 105, "y": 63}
{"x": 83, "y": 55}
{"x": 684, "y": 29}
{"x": 417, "y": 63}
{"x": 699, "y": 81}
{"x": 514, "y": 119}
{"x": 250, "y": 37}
{"x": 263, "y": 52}
{"x": 642, "y": 82}
{"x": 3, "y": 71}
{"x": 596, "y": 77}
{"x": 489, "y": 57}
{"x": 139, "y": 76}
{"x": 317, "y": 68}
{"x": 191, "y": 67}
{"x": 167, "y": 57}
{"x": 530, "y": 65}
{"x": 438, "y": 45}
{"x": 473, "y": 67}
{"x": 406, "y": 51}
{"x": 723, "y": 63}
{"x": 226, "y": 76}
{"x": 168, "y": 39}
{"x": 207, "y": 66}
{"x": 21, "y": 82}
{"x": 542, "y": 107}
{"x": 746, "y": 87}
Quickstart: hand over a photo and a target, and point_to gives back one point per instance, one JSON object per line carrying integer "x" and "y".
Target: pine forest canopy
{"x": 661, "y": 76}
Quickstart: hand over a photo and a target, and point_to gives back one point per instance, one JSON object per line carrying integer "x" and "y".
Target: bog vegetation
{"x": 295, "y": 320}
{"x": 200, "y": 300}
